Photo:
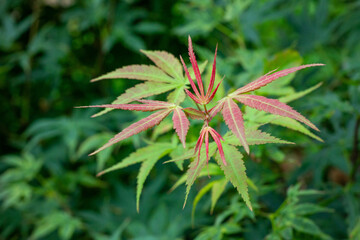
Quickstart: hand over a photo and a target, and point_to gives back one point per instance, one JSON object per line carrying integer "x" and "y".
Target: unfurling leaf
{"x": 195, "y": 67}
{"x": 137, "y": 127}
{"x": 234, "y": 119}
{"x": 273, "y": 106}
{"x": 181, "y": 124}
{"x": 200, "y": 97}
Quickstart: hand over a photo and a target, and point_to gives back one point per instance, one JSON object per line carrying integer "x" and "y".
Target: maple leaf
{"x": 233, "y": 115}
{"x": 167, "y": 75}
{"x": 200, "y": 97}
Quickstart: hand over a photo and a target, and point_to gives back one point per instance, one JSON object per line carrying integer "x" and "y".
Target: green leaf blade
{"x": 139, "y": 156}
{"x": 235, "y": 171}
{"x": 144, "y": 171}
{"x": 138, "y": 72}
{"x": 167, "y": 62}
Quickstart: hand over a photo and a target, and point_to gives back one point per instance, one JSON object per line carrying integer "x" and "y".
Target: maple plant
{"x": 167, "y": 75}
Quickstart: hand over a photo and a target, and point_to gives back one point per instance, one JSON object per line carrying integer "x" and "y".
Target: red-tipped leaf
{"x": 273, "y": 106}
{"x": 207, "y": 146}
{"x": 193, "y": 86}
{"x": 214, "y": 135}
{"x": 212, "y": 79}
{"x": 181, "y": 124}
{"x": 137, "y": 127}
{"x": 266, "y": 79}
{"x": 195, "y": 67}
{"x": 192, "y": 96}
{"x": 234, "y": 119}
{"x": 213, "y": 94}
{"x": 199, "y": 139}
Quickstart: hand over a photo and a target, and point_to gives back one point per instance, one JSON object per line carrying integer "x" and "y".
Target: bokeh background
{"x": 50, "y": 49}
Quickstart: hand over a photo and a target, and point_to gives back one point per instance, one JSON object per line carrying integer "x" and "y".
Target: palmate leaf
{"x": 181, "y": 124}
{"x": 234, "y": 119}
{"x": 139, "y": 72}
{"x": 273, "y": 106}
{"x": 200, "y": 96}
{"x": 140, "y": 155}
{"x": 234, "y": 171}
{"x": 140, "y": 91}
{"x": 165, "y": 77}
{"x": 268, "y": 78}
{"x": 137, "y": 127}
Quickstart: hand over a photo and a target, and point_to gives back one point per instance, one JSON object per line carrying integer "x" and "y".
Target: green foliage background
{"x": 50, "y": 49}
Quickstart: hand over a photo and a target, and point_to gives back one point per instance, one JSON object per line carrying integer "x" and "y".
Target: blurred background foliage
{"x": 50, "y": 49}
